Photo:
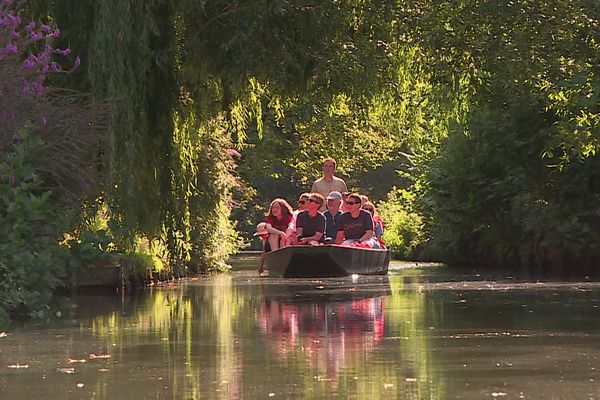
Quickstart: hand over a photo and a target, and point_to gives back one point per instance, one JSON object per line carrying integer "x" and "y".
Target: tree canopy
{"x": 481, "y": 106}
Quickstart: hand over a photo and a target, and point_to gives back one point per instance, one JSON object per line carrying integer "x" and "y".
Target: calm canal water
{"x": 419, "y": 333}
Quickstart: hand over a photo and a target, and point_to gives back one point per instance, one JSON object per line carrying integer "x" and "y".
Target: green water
{"x": 419, "y": 333}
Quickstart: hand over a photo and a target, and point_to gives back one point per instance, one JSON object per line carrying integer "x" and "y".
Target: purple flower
{"x": 63, "y": 52}
{"x": 35, "y": 35}
{"x": 37, "y": 87}
{"x": 10, "y": 48}
{"x": 13, "y": 20}
{"x": 30, "y": 26}
{"x": 30, "y": 62}
{"x": 77, "y": 63}
{"x": 54, "y": 34}
{"x": 9, "y": 112}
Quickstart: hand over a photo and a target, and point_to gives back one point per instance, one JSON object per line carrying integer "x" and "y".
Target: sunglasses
{"x": 351, "y": 203}
{"x": 314, "y": 201}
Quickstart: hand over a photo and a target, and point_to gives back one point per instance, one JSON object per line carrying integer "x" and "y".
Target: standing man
{"x": 329, "y": 182}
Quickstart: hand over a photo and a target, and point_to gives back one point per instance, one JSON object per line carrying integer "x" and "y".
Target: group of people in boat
{"x": 329, "y": 214}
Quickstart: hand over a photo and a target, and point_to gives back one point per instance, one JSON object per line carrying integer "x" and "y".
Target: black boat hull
{"x": 326, "y": 261}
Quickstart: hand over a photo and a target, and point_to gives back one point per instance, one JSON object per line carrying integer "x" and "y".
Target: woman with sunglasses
{"x": 356, "y": 226}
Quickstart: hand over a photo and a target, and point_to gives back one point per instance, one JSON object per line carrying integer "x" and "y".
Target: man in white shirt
{"x": 329, "y": 182}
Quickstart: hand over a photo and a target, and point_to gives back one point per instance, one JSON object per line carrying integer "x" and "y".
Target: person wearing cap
{"x": 310, "y": 224}
{"x": 328, "y": 182}
{"x": 332, "y": 216}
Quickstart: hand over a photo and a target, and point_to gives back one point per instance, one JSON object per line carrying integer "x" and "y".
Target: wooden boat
{"x": 326, "y": 261}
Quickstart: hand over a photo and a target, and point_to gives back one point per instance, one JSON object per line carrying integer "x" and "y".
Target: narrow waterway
{"x": 418, "y": 333}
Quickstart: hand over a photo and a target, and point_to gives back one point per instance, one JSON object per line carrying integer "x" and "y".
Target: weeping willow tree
{"x": 189, "y": 80}
{"x": 167, "y": 172}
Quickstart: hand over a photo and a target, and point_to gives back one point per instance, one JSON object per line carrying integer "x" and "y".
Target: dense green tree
{"x": 513, "y": 181}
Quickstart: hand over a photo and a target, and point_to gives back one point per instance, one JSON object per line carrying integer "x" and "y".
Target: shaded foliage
{"x": 50, "y": 139}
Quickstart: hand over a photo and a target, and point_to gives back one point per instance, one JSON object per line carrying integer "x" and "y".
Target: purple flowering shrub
{"x": 68, "y": 122}
{"x": 49, "y": 146}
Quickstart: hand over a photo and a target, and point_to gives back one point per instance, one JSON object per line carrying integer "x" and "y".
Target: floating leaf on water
{"x": 93, "y": 356}
{"x": 3, "y": 334}
{"x": 102, "y": 369}
{"x": 498, "y": 394}
{"x": 66, "y": 370}
{"x": 410, "y": 380}
{"x": 388, "y": 385}
{"x": 18, "y": 366}
{"x": 74, "y": 360}
{"x": 80, "y": 385}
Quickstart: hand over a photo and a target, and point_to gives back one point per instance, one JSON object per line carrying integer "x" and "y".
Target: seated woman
{"x": 377, "y": 221}
{"x": 278, "y": 223}
{"x": 356, "y": 226}
{"x": 302, "y": 205}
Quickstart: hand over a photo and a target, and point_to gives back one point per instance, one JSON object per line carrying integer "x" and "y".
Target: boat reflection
{"x": 325, "y": 324}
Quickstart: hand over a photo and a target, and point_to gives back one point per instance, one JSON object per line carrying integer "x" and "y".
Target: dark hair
{"x": 285, "y": 207}
{"x": 318, "y": 196}
{"x": 368, "y": 204}
{"x": 355, "y": 196}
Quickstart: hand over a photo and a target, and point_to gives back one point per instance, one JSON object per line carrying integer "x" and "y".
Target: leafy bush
{"x": 32, "y": 263}
{"x": 494, "y": 188}
{"x": 92, "y": 247}
{"x": 403, "y": 227}
{"x": 48, "y": 147}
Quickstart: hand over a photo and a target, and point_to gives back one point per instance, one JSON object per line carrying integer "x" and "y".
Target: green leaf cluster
{"x": 32, "y": 263}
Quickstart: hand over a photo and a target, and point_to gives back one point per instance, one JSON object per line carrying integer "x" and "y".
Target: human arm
{"x": 316, "y": 237}
{"x": 344, "y": 187}
{"x": 367, "y": 235}
{"x": 378, "y": 229}
{"x": 339, "y": 238}
{"x": 274, "y": 232}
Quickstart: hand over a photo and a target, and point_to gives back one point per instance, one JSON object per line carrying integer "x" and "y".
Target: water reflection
{"x": 416, "y": 334}
{"x": 326, "y": 333}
